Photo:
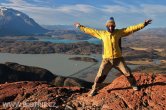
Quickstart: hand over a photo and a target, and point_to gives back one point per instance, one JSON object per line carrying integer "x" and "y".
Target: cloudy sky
{"x": 93, "y": 13}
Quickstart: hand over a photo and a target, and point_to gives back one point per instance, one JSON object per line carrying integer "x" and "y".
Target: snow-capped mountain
{"x": 13, "y": 22}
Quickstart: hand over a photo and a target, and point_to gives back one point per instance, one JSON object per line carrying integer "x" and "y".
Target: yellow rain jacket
{"x": 110, "y": 40}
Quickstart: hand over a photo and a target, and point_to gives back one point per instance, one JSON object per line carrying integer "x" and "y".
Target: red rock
{"x": 35, "y": 92}
{"x": 116, "y": 96}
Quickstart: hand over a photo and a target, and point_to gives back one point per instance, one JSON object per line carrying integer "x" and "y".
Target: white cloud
{"x": 66, "y": 9}
{"x": 50, "y": 15}
{"x": 114, "y": 9}
{"x": 78, "y": 8}
{"x": 64, "y": 14}
{"x": 83, "y": 8}
{"x": 144, "y": 8}
{"x": 153, "y": 9}
{"x": 17, "y": 3}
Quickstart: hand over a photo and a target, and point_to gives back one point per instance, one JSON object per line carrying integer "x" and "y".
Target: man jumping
{"x": 112, "y": 55}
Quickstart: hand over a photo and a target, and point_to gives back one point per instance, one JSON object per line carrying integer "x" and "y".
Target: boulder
{"x": 10, "y": 72}
{"x": 13, "y": 72}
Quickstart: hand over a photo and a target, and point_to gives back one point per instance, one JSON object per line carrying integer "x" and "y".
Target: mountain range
{"x": 13, "y": 23}
{"x": 16, "y": 23}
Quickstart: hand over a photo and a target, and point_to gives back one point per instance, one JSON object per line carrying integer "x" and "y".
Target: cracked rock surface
{"x": 119, "y": 96}
{"x": 115, "y": 96}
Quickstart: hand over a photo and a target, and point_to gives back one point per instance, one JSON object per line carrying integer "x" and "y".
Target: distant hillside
{"x": 68, "y": 34}
{"x": 154, "y": 38}
{"x": 156, "y": 31}
{"x": 65, "y": 32}
{"x": 13, "y": 23}
{"x": 59, "y": 27}
{"x": 153, "y": 35}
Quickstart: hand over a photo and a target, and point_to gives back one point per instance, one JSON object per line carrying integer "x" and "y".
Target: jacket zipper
{"x": 112, "y": 48}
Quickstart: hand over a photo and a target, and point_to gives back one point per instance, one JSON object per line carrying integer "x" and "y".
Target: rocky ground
{"x": 115, "y": 96}
{"x": 27, "y": 93}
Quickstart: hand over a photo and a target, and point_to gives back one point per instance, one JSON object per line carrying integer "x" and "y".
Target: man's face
{"x": 111, "y": 28}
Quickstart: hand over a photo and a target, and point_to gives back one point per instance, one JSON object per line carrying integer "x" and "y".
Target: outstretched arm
{"x": 131, "y": 29}
{"x": 90, "y": 31}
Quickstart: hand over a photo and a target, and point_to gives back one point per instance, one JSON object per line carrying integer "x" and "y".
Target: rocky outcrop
{"x": 119, "y": 96}
{"x": 12, "y": 72}
{"x": 115, "y": 96}
{"x": 86, "y": 59}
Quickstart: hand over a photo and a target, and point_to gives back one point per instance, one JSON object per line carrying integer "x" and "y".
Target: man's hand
{"x": 147, "y": 22}
{"x": 76, "y": 24}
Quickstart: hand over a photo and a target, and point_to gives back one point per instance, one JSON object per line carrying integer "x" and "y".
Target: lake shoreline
{"x": 60, "y": 64}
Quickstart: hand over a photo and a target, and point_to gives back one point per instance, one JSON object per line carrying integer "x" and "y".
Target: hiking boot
{"x": 93, "y": 92}
{"x": 134, "y": 87}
